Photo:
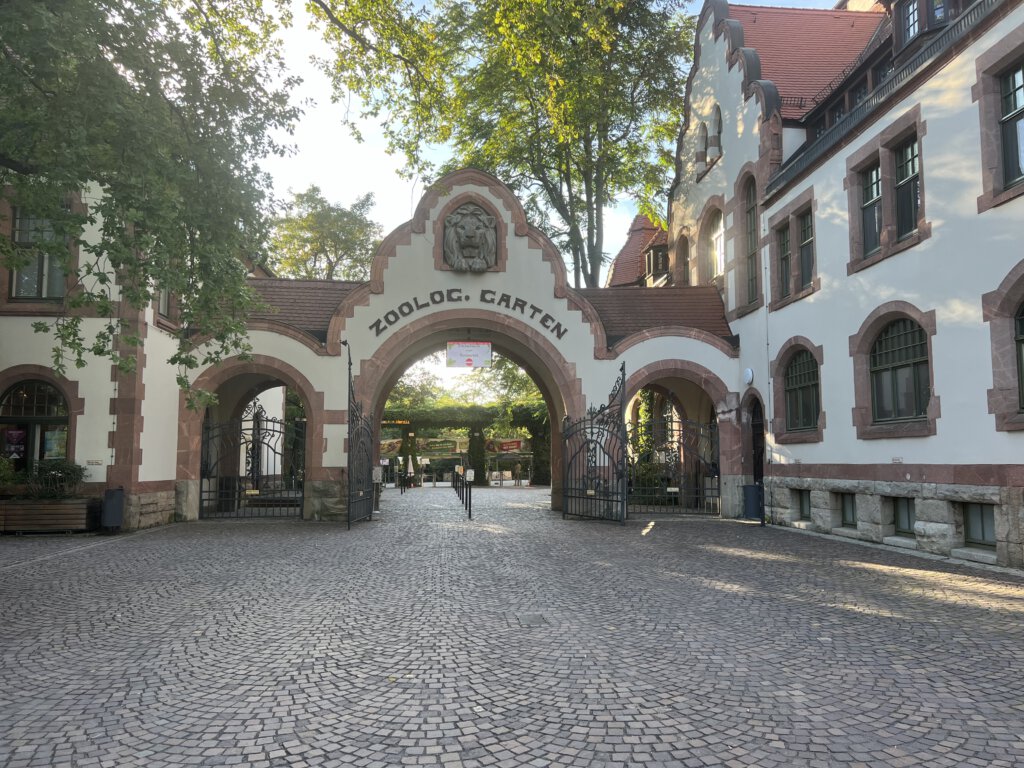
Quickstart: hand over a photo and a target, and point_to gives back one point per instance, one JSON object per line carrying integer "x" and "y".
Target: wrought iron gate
{"x": 360, "y": 457}
{"x": 673, "y": 468}
{"x": 595, "y": 460}
{"x": 253, "y": 466}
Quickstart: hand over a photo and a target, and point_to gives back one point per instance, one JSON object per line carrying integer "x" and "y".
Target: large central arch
{"x": 554, "y": 375}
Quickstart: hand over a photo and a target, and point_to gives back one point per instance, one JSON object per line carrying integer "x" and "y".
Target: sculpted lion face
{"x": 469, "y": 239}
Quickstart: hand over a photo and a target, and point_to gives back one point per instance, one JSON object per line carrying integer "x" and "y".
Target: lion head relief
{"x": 470, "y": 242}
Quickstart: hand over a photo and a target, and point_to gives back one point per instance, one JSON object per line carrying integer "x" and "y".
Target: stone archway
{"x": 320, "y": 481}
{"x": 554, "y": 376}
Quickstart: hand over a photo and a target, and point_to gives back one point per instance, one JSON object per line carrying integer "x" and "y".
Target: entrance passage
{"x": 673, "y": 468}
{"x": 595, "y": 460}
{"x": 253, "y": 466}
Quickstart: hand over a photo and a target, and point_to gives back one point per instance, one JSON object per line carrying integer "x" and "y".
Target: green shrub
{"x": 55, "y": 479}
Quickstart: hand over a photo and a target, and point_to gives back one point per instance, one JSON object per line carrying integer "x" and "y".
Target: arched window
{"x": 701, "y": 155}
{"x": 713, "y": 256}
{"x": 803, "y": 399}
{"x": 899, "y": 372}
{"x": 1019, "y": 339}
{"x": 33, "y": 423}
{"x": 752, "y": 240}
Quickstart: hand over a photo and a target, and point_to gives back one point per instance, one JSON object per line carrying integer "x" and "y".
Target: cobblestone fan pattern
{"x": 514, "y": 639}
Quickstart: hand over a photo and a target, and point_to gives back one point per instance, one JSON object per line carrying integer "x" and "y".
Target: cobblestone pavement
{"x": 515, "y": 639}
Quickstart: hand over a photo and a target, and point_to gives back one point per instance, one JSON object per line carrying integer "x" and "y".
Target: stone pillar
{"x": 186, "y": 500}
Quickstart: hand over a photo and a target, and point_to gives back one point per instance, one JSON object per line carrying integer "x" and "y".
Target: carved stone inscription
{"x": 470, "y": 239}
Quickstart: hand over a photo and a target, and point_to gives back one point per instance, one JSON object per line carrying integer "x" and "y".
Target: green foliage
{"x": 136, "y": 127}
{"x": 642, "y": 434}
{"x": 320, "y": 240}
{"x": 574, "y": 104}
{"x": 55, "y": 479}
{"x": 8, "y": 473}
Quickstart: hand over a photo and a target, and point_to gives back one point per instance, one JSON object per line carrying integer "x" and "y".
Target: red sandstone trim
{"x": 999, "y": 307}
{"x": 1004, "y": 475}
{"x": 676, "y": 331}
{"x": 777, "y": 369}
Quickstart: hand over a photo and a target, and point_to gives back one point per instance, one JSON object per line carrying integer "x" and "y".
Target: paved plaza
{"x": 514, "y": 639}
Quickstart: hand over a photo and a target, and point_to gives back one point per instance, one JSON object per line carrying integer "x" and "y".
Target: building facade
{"x": 849, "y": 181}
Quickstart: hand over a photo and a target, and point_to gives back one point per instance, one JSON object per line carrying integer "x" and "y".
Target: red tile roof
{"x": 303, "y": 304}
{"x": 803, "y": 49}
{"x": 627, "y": 310}
{"x": 628, "y": 266}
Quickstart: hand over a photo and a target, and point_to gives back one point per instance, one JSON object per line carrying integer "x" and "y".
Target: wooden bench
{"x": 39, "y": 516}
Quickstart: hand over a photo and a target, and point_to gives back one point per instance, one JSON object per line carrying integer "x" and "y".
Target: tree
{"x": 153, "y": 114}
{"x": 319, "y": 240}
{"x": 573, "y": 104}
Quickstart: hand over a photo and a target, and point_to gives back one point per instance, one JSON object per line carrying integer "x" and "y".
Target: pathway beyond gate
{"x": 517, "y": 638}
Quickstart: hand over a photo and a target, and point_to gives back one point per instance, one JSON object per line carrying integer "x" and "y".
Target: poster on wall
{"x": 469, "y": 354}
{"x": 55, "y": 443}
{"x": 14, "y": 444}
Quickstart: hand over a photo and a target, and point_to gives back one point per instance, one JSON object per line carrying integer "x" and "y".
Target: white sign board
{"x": 469, "y": 354}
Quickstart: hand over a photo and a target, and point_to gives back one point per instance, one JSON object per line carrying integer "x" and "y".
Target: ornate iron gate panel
{"x": 594, "y": 483}
{"x": 253, "y": 466}
{"x": 673, "y": 468}
{"x": 360, "y": 457}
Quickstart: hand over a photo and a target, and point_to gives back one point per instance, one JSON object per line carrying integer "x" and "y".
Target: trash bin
{"x": 112, "y": 514}
{"x": 753, "y": 501}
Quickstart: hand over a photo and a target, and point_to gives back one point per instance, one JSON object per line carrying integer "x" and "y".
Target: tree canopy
{"x": 158, "y": 112}
{"x": 573, "y": 104}
{"x": 319, "y": 240}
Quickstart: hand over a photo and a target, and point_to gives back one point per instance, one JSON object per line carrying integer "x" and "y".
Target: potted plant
{"x": 46, "y": 500}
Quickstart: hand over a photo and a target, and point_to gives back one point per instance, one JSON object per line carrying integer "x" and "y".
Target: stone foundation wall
{"x": 326, "y": 500}
{"x": 145, "y": 510}
{"x": 938, "y": 511}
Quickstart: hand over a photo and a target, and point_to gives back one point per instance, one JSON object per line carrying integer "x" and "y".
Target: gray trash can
{"x": 753, "y": 502}
{"x": 112, "y": 514}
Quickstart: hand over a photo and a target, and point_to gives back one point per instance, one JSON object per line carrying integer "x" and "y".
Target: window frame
{"x": 969, "y": 507}
{"x": 781, "y": 424}
{"x": 799, "y": 385}
{"x": 881, "y": 150}
{"x": 34, "y": 425}
{"x": 1005, "y": 55}
{"x": 1002, "y": 309}
{"x": 752, "y": 239}
{"x": 847, "y": 503}
{"x": 888, "y": 373}
{"x": 788, "y": 218}
{"x": 908, "y": 513}
{"x": 26, "y": 232}
{"x": 1013, "y": 116}
{"x": 871, "y": 184}
{"x": 907, "y": 187}
{"x": 861, "y": 344}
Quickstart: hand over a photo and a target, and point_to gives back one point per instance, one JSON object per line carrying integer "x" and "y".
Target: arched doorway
{"x": 520, "y": 343}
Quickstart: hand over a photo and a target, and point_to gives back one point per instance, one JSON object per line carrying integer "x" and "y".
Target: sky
{"x": 326, "y": 154}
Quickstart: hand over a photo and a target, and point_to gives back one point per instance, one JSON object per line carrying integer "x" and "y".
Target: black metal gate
{"x": 595, "y": 460}
{"x": 253, "y": 466}
{"x": 673, "y": 468}
{"x": 360, "y": 457}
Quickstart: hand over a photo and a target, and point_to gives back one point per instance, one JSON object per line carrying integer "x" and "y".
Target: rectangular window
{"x": 871, "y": 208}
{"x": 908, "y": 20}
{"x": 908, "y": 188}
{"x": 163, "y": 303}
{"x": 803, "y": 500}
{"x": 836, "y": 113}
{"x": 859, "y": 92}
{"x": 848, "y": 507}
{"x": 979, "y": 524}
{"x": 903, "y": 515}
{"x": 1011, "y": 124}
{"x": 938, "y": 12}
{"x": 785, "y": 260}
{"x": 880, "y": 72}
{"x": 806, "y": 223}
{"x": 42, "y": 277}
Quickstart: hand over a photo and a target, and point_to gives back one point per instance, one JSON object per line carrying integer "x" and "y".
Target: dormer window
{"x": 906, "y": 20}
{"x": 657, "y": 262}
